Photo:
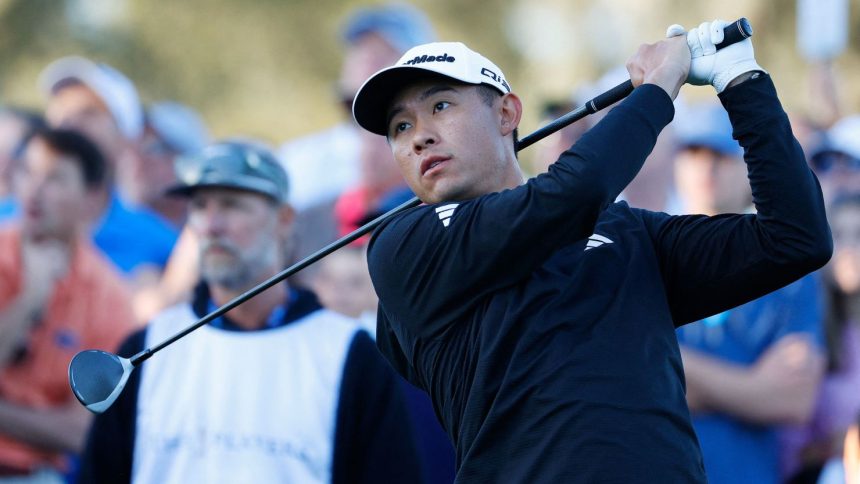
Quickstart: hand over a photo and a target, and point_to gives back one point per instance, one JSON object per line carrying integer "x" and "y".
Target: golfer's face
{"x": 447, "y": 141}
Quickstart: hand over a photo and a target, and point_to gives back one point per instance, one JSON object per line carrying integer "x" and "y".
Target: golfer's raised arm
{"x": 711, "y": 264}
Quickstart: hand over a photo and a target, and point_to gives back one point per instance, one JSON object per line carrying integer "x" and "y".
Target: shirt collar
{"x": 299, "y": 303}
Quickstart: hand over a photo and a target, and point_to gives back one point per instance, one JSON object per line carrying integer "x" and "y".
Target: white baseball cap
{"x": 116, "y": 90}
{"x": 447, "y": 59}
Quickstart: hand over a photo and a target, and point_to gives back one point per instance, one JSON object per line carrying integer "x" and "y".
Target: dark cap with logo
{"x": 241, "y": 165}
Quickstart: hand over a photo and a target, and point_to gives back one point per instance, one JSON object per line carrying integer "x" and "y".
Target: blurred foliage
{"x": 267, "y": 68}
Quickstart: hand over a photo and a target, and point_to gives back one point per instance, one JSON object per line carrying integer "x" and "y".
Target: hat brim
{"x": 371, "y": 104}
{"x": 247, "y": 185}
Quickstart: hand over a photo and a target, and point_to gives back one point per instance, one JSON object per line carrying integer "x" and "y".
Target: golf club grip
{"x": 610, "y": 97}
{"x": 733, "y": 33}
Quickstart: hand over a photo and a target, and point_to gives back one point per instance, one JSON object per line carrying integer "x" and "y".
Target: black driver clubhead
{"x": 97, "y": 378}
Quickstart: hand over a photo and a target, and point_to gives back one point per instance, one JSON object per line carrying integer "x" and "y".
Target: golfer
{"x": 540, "y": 315}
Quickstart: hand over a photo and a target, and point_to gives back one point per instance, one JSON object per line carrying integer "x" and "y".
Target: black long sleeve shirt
{"x": 542, "y": 319}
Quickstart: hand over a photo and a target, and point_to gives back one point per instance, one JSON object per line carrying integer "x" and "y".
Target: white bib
{"x": 240, "y": 407}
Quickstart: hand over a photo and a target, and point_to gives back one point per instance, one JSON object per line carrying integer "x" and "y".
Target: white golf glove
{"x": 709, "y": 66}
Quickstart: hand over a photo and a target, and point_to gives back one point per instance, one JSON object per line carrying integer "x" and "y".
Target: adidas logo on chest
{"x": 596, "y": 240}
{"x": 445, "y": 212}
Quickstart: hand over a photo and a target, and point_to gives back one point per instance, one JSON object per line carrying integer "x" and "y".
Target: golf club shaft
{"x": 577, "y": 114}
{"x": 277, "y": 278}
{"x": 734, "y": 32}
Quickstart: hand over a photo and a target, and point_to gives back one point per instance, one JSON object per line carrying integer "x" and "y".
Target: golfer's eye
{"x": 440, "y": 106}
{"x": 400, "y": 127}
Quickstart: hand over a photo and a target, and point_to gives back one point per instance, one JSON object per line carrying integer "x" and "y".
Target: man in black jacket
{"x": 539, "y": 315}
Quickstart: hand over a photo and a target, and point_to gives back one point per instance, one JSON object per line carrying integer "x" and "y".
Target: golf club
{"x": 97, "y": 377}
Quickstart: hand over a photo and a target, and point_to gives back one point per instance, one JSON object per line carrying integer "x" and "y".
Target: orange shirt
{"x": 89, "y": 308}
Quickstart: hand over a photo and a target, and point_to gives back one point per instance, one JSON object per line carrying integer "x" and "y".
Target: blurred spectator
{"x": 547, "y": 150}
{"x": 651, "y": 185}
{"x": 710, "y": 174}
{"x": 279, "y": 389}
{"x": 851, "y": 459}
{"x": 380, "y": 186}
{"x": 836, "y": 160}
{"x": 374, "y": 38}
{"x": 170, "y": 130}
{"x": 824, "y": 93}
{"x": 838, "y": 403}
{"x": 824, "y": 105}
{"x": 551, "y": 147}
{"x": 845, "y": 469}
{"x": 176, "y": 282}
{"x": 101, "y": 103}
{"x": 806, "y": 131}
{"x": 331, "y": 161}
{"x": 57, "y": 296}
{"x": 15, "y": 125}
{"x": 343, "y": 285}
{"x": 755, "y": 366}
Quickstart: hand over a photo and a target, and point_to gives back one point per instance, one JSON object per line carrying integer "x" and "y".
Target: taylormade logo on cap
{"x": 425, "y": 58}
{"x": 455, "y": 60}
{"x": 448, "y": 59}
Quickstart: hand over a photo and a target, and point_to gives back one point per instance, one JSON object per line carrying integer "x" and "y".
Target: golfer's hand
{"x": 665, "y": 64}
{"x": 709, "y": 66}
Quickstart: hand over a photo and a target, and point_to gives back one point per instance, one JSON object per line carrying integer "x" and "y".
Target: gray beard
{"x": 234, "y": 277}
{"x": 240, "y": 273}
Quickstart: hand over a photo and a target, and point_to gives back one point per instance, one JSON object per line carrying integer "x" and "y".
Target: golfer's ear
{"x": 511, "y": 110}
